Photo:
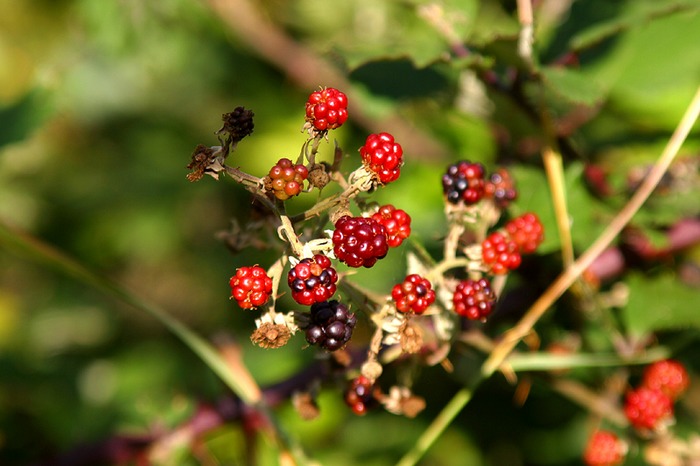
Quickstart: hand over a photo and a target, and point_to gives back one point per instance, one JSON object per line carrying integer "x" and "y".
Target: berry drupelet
{"x": 474, "y": 299}
{"x": 251, "y": 287}
{"x": 312, "y": 280}
{"x": 330, "y": 325}
{"x": 397, "y": 223}
{"x": 415, "y": 294}
{"x": 464, "y": 182}
{"x": 327, "y": 109}
{"x": 359, "y": 241}
{"x": 382, "y": 156}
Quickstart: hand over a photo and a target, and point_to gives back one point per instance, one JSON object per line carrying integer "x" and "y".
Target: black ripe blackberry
{"x": 464, "y": 182}
{"x": 330, "y": 325}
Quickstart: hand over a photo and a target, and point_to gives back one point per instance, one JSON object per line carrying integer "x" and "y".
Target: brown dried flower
{"x": 410, "y": 338}
{"x": 270, "y": 335}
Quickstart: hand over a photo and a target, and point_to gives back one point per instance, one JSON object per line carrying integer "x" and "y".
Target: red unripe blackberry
{"x": 397, "y": 223}
{"x": 414, "y": 294}
{"x": 500, "y": 253}
{"x": 250, "y": 287}
{"x": 474, "y": 299}
{"x": 382, "y": 156}
{"x": 501, "y": 188}
{"x": 526, "y": 231}
{"x": 604, "y": 448}
{"x": 287, "y": 179}
{"x": 648, "y": 408}
{"x": 359, "y": 241}
{"x": 669, "y": 376}
{"x": 464, "y": 182}
{"x": 327, "y": 109}
{"x": 330, "y": 325}
{"x": 312, "y": 280}
{"x": 360, "y": 395}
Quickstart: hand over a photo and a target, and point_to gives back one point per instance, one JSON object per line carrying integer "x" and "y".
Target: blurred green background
{"x": 102, "y": 103}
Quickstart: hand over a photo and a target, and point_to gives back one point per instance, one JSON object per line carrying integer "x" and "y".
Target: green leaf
{"x": 660, "y": 303}
{"x": 572, "y": 85}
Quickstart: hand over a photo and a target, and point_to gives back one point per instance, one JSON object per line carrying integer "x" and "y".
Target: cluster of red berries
{"x": 502, "y": 250}
{"x": 650, "y": 406}
{"x": 382, "y": 156}
{"x": 414, "y": 294}
{"x": 397, "y": 223}
{"x": 286, "y": 179}
{"x": 359, "y": 241}
{"x": 360, "y": 395}
{"x": 465, "y": 182}
{"x": 312, "y": 280}
{"x": 251, "y": 287}
{"x": 474, "y": 299}
{"x": 330, "y": 325}
{"x": 604, "y": 448}
{"x": 327, "y": 109}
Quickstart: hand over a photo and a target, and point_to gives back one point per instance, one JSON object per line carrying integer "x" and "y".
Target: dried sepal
{"x": 401, "y": 401}
{"x": 305, "y": 405}
{"x": 274, "y": 329}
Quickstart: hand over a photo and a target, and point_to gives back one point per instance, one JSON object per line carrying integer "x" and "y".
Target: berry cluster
{"x": 474, "y": 299}
{"x": 526, "y": 231}
{"x": 360, "y": 395}
{"x": 312, "y": 280}
{"x": 500, "y": 253}
{"x": 382, "y": 156}
{"x": 397, "y": 223}
{"x": 501, "y": 188}
{"x": 286, "y": 179}
{"x": 648, "y": 409}
{"x": 327, "y": 109}
{"x": 330, "y": 325}
{"x": 669, "y": 376}
{"x": 650, "y": 406}
{"x": 415, "y": 294}
{"x": 251, "y": 287}
{"x": 464, "y": 182}
{"x": 359, "y": 241}
{"x": 604, "y": 448}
